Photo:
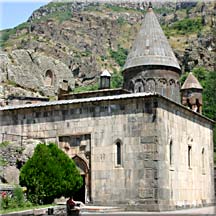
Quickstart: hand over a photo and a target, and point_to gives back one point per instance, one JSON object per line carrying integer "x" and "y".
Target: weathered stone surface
{"x": 11, "y": 175}
{"x": 83, "y": 42}
{"x": 28, "y": 69}
{"x": 145, "y": 176}
{"x": 29, "y": 147}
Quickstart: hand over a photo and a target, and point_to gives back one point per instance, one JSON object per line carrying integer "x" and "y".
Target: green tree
{"x": 116, "y": 80}
{"x": 49, "y": 174}
{"x": 209, "y": 96}
{"x": 119, "y": 56}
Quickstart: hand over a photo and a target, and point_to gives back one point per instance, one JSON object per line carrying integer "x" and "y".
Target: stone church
{"x": 146, "y": 146}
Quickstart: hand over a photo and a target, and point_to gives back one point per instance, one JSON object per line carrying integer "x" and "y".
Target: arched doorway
{"x": 83, "y": 194}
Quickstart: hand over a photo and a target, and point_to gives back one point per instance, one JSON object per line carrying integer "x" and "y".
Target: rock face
{"x": 35, "y": 71}
{"x": 76, "y": 41}
{"x": 13, "y": 155}
{"x": 11, "y": 175}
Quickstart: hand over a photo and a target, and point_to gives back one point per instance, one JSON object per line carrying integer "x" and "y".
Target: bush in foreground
{"x": 49, "y": 174}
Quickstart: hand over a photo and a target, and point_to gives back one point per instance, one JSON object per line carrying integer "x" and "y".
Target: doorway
{"x": 81, "y": 193}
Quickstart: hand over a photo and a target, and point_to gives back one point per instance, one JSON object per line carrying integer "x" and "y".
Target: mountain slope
{"x": 79, "y": 40}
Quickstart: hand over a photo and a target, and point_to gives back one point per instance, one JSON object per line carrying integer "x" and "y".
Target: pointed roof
{"x": 105, "y": 73}
{"x": 151, "y": 46}
{"x": 191, "y": 83}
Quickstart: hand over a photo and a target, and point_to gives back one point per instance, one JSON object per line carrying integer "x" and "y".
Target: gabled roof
{"x": 191, "y": 83}
{"x": 151, "y": 46}
{"x": 105, "y": 73}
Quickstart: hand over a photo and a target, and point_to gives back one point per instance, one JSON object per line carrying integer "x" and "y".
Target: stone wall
{"x": 186, "y": 168}
{"x": 142, "y": 179}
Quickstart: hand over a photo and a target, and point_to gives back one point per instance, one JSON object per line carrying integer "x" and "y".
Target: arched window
{"x": 171, "y": 152}
{"x": 203, "y": 160}
{"x": 189, "y": 156}
{"x": 49, "y": 78}
{"x": 172, "y": 87}
{"x": 131, "y": 87}
{"x": 138, "y": 87}
{"x": 118, "y": 155}
{"x": 197, "y": 105}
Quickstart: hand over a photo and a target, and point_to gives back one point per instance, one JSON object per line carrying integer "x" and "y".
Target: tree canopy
{"x": 49, "y": 174}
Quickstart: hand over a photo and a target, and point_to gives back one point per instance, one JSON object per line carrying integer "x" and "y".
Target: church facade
{"x": 139, "y": 147}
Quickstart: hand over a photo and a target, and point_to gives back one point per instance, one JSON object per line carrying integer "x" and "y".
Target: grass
{"x": 215, "y": 158}
{"x": 24, "y": 208}
{"x": 60, "y": 17}
{"x": 3, "y": 162}
{"x": 119, "y": 56}
{"x": 162, "y": 10}
{"x": 11, "y": 83}
{"x": 55, "y": 4}
{"x": 86, "y": 88}
{"x": 116, "y": 8}
{"x": 7, "y": 33}
{"x": 4, "y": 144}
{"x": 185, "y": 26}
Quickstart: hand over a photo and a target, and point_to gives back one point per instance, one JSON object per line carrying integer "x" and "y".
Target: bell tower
{"x": 191, "y": 93}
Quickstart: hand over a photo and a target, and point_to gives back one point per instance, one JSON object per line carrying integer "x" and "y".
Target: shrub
{"x": 86, "y": 88}
{"x": 188, "y": 25}
{"x": 49, "y": 174}
{"x": 119, "y": 56}
{"x": 4, "y": 204}
{"x": 16, "y": 200}
{"x": 5, "y": 35}
{"x": 121, "y": 21}
{"x": 18, "y": 196}
{"x": 116, "y": 80}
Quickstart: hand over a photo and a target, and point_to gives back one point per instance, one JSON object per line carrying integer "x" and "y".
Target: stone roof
{"x": 105, "y": 73}
{"x": 151, "y": 46}
{"x": 75, "y": 101}
{"x": 98, "y": 99}
{"x": 191, "y": 83}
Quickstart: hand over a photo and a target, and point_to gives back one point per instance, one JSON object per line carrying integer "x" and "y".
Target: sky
{"x": 15, "y": 12}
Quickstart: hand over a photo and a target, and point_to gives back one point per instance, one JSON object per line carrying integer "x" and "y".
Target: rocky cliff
{"x": 73, "y": 42}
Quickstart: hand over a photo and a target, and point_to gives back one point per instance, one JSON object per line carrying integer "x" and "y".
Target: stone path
{"x": 94, "y": 210}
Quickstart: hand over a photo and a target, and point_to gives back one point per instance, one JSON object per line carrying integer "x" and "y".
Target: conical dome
{"x": 191, "y": 83}
{"x": 151, "y": 46}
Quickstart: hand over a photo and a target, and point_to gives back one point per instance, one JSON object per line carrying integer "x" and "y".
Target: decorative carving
{"x": 150, "y": 85}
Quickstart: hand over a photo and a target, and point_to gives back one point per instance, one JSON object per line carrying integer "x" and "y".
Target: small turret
{"x": 191, "y": 93}
{"x": 105, "y": 80}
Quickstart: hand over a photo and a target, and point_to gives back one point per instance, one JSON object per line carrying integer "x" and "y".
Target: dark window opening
{"x": 203, "y": 160}
{"x": 171, "y": 152}
{"x": 140, "y": 89}
{"x": 189, "y": 156}
{"x": 118, "y": 153}
{"x": 197, "y": 106}
{"x": 188, "y": 104}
